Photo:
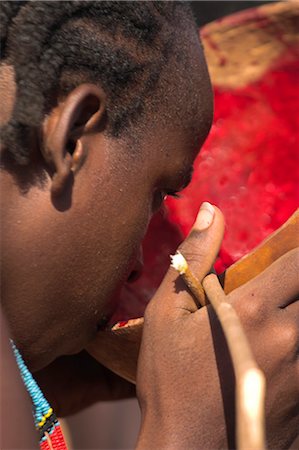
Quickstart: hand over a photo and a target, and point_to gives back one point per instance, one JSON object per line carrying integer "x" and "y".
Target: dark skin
{"x": 14, "y": 400}
{"x": 268, "y": 307}
{"x": 72, "y": 257}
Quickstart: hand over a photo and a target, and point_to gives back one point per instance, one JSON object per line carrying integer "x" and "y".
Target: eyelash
{"x": 173, "y": 194}
{"x": 161, "y": 195}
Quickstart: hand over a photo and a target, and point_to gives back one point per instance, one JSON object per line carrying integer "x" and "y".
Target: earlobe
{"x": 61, "y": 176}
{"x": 82, "y": 112}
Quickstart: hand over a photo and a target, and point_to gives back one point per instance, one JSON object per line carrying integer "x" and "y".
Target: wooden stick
{"x": 179, "y": 263}
{"x": 250, "y": 380}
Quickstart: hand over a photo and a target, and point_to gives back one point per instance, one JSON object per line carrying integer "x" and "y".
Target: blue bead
{"x": 40, "y": 404}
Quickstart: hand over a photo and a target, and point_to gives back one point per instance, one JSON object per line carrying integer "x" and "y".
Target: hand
{"x": 185, "y": 381}
{"x": 72, "y": 383}
{"x": 270, "y": 317}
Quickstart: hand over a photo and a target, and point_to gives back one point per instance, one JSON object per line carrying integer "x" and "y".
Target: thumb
{"x": 200, "y": 249}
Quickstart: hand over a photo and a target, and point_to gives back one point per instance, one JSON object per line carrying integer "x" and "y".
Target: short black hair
{"x": 55, "y": 46}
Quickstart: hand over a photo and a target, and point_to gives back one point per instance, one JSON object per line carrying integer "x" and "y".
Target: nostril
{"x": 134, "y": 276}
{"x": 136, "y": 270}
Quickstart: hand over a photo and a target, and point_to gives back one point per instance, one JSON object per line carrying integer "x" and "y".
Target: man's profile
{"x": 105, "y": 105}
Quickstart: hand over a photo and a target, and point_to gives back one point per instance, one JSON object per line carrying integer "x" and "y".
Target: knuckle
{"x": 189, "y": 247}
{"x": 191, "y": 255}
{"x": 250, "y": 309}
{"x": 194, "y": 247}
{"x": 289, "y": 337}
{"x": 194, "y": 255}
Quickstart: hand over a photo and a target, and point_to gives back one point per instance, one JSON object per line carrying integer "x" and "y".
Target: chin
{"x": 40, "y": 356}
{"x": 36, "y": 361}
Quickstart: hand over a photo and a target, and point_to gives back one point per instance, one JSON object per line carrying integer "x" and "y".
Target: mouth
{"x": 161, "y": 240}
{"x": 130, "y": 302}
{"x": 102, "y": 323}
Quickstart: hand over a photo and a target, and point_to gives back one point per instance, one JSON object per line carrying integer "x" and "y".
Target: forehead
{"x": 180, "y": 124}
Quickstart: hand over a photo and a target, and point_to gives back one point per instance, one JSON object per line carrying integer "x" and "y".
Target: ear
{"x": 82, "y": 112}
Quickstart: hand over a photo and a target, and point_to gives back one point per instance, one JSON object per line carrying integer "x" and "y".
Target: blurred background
{"x": 207, "y": 11}
{"x": 115, "y": 425}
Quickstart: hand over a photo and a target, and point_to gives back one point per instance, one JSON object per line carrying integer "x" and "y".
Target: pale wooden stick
{"x": 250, "y": 380}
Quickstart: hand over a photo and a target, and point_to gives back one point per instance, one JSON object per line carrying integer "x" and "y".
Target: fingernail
{"x": 205, "y": 216}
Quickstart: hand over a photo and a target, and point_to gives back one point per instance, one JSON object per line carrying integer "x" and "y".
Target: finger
{"x": 277, "y": 286}
{"x": 200, "y": 249}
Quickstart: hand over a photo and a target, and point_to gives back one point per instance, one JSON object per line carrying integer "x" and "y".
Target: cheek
{"x": 111, "y": 255}
{"x": 109, "y": 223}
{"x": 127, "y": 227}
{"x": 110, "y": 238}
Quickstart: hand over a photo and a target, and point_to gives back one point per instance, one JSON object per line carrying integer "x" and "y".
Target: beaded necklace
{"x": 46, "y": 422}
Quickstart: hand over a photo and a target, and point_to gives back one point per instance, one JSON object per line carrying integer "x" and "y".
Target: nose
{"x": 137, "y": 268}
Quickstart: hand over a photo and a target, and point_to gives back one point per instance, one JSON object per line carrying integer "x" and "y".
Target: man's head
{"x": 110, "y": 103}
